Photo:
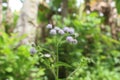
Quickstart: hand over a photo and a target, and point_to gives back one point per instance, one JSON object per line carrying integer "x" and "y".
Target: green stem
{"x": 73, "y": 72}
{"x": 53, "y": 71}
{"x": 57, "y": 59}
{"x": 57, "y": 56}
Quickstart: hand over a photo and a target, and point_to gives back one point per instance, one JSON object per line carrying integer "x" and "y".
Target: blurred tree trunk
{"x": 9, "y": 19}
{"x": 87, "y": 7}
{"x": 64, "y": 13}
{"x": 0, "y": 13}
{"x": 107, "y": 8}
{"x": 27, "y": 21}
{"x": 64, "y": 8}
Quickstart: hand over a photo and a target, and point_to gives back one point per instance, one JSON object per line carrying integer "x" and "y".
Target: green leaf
{"x": 40, "y": 72}
{"x": 118, "y": 6}
{"x": 61, "y": 64}
{"x": 9, "y": 69}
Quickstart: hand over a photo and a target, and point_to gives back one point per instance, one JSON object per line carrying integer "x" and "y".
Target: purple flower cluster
{"x": 70, "y": 39}
{"x": 70, "y": 30}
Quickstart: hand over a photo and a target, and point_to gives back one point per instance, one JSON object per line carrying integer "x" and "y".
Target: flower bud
{"x": 57, "y": 28}
{"x": 74, "y": 41}
{"x": 61, "y": 32}
{"x": 53, "y": 32}
{"x": 49, "y": 26}
{"x": 33, "y": 50}
{"x": 71, "y": 30}
{"x": 69, "y": 38}
{"x": 47, "y": 55}
{"x": 66, "y": 29}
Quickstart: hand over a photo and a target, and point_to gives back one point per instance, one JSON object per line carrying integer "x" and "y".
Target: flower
{"x": 47, "y": 55}
{"x": 57, "y": 28}
{"x": 66, "y": 29}
{"x": 69, "y": 38}
{"x": 49, "y": 26}
{"x": 53, "y": 32}
{"x": 74, "y": 41}
{"x": 33, "y": 50}
{"x": 71, "y": 30}
{"x": 61, "y": 32}
{"x": 76, "y": 34}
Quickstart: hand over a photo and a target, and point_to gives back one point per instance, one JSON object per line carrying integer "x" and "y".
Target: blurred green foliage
{"x": 118, "y": 6}
{"x": 16, "y": 62}
{"x": 95, "y": 57}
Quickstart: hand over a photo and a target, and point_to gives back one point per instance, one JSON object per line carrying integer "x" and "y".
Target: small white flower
{"x": 49, "y": 26}
{"x": 47, "y": 55}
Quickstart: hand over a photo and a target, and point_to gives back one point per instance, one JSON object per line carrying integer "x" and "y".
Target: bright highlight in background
{"x": 79, "y": 2}
{"x": 15, "y": 5}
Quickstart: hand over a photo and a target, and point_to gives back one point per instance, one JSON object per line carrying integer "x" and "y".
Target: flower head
{"x": 33, "y": 50}
{"x": 49, "y": 26}
{"x": 76, "y": 34}
{"x": 53, "y": 32}
{"x": 69, "y": 38}
{"x": 57, "y": 28}
{"x": 61, "y": 32}
{"x": 71, "y": 30}
{"x": 66, "y": 29}
{"x": 74, "y": 41}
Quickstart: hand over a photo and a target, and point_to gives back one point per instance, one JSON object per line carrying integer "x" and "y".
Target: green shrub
{"x": 16, "y": 62}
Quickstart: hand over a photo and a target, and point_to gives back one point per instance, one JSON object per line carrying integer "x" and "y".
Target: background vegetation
{"x": 29, "y": 50}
